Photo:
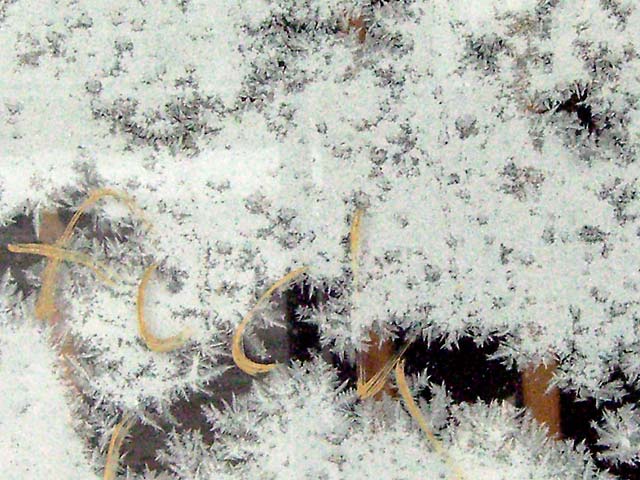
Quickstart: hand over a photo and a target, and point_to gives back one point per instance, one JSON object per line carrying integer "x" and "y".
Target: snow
{"x": 295, "y": 425}
{"x": 39, "y": 438}
{"x": 492, "y": 149}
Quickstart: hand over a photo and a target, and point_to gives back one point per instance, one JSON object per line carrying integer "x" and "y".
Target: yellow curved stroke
{"x": 155, "y": 343}
{"x": 120, "y": 431}
{"x": 377, "y": 382}
{"x": 45, "y": 304}
{"x": 103, "y": 272}
{"x": 403, "y": 387}
{"x": 237, "y": 348}
{"x": 354, "y": 243}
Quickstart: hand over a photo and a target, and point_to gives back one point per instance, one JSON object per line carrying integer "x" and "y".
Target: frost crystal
{"x": 38, "y": 438}
{"x": 295, "y": 425}
{"x": 491, "y": 148}
{"x": 619, "y": 435}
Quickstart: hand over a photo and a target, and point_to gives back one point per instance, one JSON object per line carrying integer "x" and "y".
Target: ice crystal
{"x": 489, "y": 150}
{"x": 296, "y": 425}
{"x": 619, "y": 435}
{"x": 38, "y": 424}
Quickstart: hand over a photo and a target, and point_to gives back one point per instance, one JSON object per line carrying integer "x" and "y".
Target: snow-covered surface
{"x": 492, "y": 148}
{"x": 298, "y": 425}
{"x": 619, "y": 435}
{"x": 38, "y": 438}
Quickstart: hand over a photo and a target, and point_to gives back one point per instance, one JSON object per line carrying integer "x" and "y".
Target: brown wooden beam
{"x": 542, "y": 402}
{"x": 374, "y": 359}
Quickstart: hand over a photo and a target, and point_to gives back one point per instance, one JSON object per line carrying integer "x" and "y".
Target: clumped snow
{"x": 299, "y": 424}
{"x": 38, "y": 439}
{"x": 492, "y": 149}
{"x": 619, "y": 435}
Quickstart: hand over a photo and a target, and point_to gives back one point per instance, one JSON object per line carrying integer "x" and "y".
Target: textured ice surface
{"x": 492, "y": 150}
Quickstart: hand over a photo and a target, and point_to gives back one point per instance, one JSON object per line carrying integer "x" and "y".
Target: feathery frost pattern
{"x": 441, "y": 169}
